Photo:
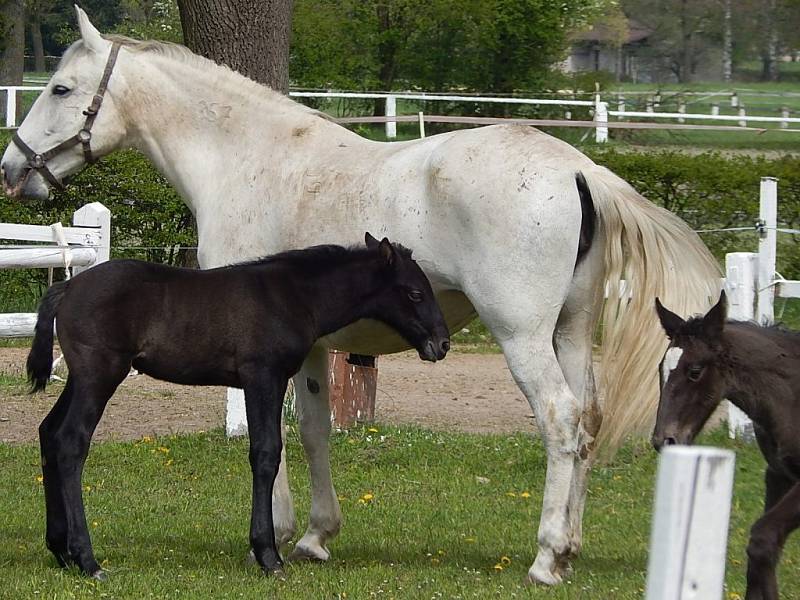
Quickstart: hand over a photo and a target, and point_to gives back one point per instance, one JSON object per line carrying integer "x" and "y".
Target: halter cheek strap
{"x": 38, "y": 161}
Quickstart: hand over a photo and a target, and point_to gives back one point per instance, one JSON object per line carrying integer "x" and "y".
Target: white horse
{"x": 506, "y": 221}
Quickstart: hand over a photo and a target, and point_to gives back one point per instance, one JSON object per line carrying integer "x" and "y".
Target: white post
{"x": 768, "y": 217}
{"x": 601, "y": 122}
{"x": 689, "y": 535}
{"x": 421, "y": 125}
{"x": 11, "y": 107}
{"x": 682, "y": 110}
{"x": 657, "y": 100}
{"x": 715, "y": 110}
{"x": 784, "y": 115}
{"x": 568, "y": 114}
{"x": 734, "y": 100}
{"x": 235, "y": 414}
{"x": 391, "y": 111}
{"x": 742, "y": 115}
{"x": 621, "y": 106}
{"x": 649, "y": 106}
{"x": 95, "y": 215}
{"x": 741, "y": 283}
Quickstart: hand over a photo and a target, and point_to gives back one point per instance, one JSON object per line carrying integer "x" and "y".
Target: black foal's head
{"x": 691, "y": 379}
{"x": 406, "y": 301}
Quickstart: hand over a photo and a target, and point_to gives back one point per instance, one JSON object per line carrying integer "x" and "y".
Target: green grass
{"x": 179, "y": 529}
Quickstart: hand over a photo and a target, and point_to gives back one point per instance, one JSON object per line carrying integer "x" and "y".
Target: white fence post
{"x": 689, "y": 535}
{"x": 391, "y": 111}
{"x": 95, "y": 215}
{"x": 682, "y": 110}
{"x": 235, "y": 413}
{"x": 11, "y": 107}
{"x": 715, "y": 110}
{"x": 742, "y": 116}
{"x": 784, "y": 115}
{"x": 768, "y": 219}
{"x": 601, "y": 122}
{"x": 421, "y": 125}
{"x": 741, "y": 283}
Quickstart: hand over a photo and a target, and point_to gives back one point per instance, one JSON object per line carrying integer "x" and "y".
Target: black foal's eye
{"x": 695, "y": 372}
{"x": 60, "y": 90}
{"x": 415, "y": 296}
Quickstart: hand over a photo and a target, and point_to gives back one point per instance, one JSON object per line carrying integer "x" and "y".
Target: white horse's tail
{"x": 657, "y": 255}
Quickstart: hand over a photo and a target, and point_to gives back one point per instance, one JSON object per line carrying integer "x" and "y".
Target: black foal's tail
{"x": 40, "y": 359}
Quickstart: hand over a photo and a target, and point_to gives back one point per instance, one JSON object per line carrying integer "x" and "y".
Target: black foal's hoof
{"x": 275, "y": 572}
{"x": 100, "y": 575}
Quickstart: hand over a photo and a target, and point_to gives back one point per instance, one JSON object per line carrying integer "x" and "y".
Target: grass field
{"x": 169, "y": 518}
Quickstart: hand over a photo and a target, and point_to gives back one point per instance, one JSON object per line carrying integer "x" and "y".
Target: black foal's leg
{"x": 56, "y": 528}
{"x": 767, "y": 537}
{"x": 65, "y": 445}
{"x": 263, "y": 394}
{"x": 776, "y": 485}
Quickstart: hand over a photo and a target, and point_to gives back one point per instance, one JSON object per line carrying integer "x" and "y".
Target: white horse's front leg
{"x": 314, "y": 416}
{"x": 534, "y": 366}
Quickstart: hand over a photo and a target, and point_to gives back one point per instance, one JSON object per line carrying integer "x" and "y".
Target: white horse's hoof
{"x": 306, "y": 551}
{"x": 544, "y": 572}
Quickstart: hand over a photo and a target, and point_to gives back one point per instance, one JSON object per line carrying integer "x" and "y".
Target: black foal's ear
{"x": 714, "y": 321}
{"x": 669, "y": 320}
{"x": 387, "y": 252}
{"x": 370, "y": 241}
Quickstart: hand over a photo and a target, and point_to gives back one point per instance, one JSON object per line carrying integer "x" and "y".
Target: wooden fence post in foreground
{"x": 690, "y": 524}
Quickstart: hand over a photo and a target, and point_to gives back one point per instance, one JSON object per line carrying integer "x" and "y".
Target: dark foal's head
{"x": 691, "y": 379}
{"x": 407, "y": 303}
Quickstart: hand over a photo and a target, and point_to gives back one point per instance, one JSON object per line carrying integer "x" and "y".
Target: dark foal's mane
{"x": 318, "y": 258}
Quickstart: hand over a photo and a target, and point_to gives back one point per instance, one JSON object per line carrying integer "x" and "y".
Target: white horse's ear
{"x": 91, "y": 37}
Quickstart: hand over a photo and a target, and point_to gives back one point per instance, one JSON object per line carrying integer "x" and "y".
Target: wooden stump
{"x": 352, "y": 388}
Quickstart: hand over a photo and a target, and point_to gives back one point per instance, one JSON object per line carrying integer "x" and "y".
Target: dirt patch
{"x": 468, "y": 392}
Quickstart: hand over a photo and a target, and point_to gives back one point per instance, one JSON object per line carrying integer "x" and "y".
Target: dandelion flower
{"x": 505, "y": 561}
{"x": 39, "y": 478}
{"x": 498, "y": 567}
{"x": 525, "y": 495}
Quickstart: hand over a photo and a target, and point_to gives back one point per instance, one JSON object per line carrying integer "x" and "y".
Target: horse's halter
{"x": 37, "y": 161}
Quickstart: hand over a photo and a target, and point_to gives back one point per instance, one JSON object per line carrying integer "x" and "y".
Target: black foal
{"x": 248, "y": 326}
{"x": 758, "y": 370}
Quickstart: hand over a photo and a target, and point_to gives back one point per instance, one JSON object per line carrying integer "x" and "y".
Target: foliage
{"x": 487, "y": 45}
{"x": 148, "y": 219}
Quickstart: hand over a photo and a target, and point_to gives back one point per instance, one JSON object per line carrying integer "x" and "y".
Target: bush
{"x": 148, "y": 219}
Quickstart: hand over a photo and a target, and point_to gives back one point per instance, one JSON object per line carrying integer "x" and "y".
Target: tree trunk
{"x": 12, "y": 65}
{"x": 249, "y": 37}
{"x": 13, "y": 22}
{"x": 727, "y": 43}
{"x": 769, "y": 56}
{"x": 387, "y": 55}
{"x": 687, "y": 40}
{"x": 38, "y": 46}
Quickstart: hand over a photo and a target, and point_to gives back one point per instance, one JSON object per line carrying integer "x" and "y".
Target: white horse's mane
{"x": 182, "y": 54}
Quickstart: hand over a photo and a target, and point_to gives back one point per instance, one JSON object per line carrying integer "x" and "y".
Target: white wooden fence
{"x": 81, "y": 246}
{"x": 752, "y": 283}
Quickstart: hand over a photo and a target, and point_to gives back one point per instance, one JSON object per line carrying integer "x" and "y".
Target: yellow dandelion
{"x": 367, "y": 497}
{"x": 39, "y": 478}
{"x": 87, "y": 488}
{"x": 163, "y": 449}
{"x": 372, "y": 430}
{"x": 147, "y": 439}
{"x": 441, "y": 552}
{"x": 511, "y": 494}
{"x": 734, "y": 596}
{"x": 95, "y": 523}
{"x": 168, "y": 463}
{"x": 435, "y": 561}
{"x": 505, "y": 561}
{"x": 498, "y": 567}
{"x": 617, "y": 477}
{"x": 525, "y": 495}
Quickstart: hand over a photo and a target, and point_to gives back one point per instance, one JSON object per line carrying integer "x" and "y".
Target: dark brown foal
{"x": 758, "y": 370}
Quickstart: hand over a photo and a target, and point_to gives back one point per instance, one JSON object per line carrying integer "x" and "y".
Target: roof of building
{"x": 602, "y": 32}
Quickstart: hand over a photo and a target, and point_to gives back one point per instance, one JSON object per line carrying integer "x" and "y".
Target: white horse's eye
{"x": 60, "y": 90}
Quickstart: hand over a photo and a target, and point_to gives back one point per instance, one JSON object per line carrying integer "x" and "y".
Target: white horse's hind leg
{"x": 314, "y": 417}
{"x": 533, "y": 364}
{"x": 573, "y": 344}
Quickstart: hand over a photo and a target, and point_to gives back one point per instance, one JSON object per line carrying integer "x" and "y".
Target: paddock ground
{"x": 466, "y": 392}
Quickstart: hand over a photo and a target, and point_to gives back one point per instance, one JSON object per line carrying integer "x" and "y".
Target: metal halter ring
{"x": 84, "y": 135}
